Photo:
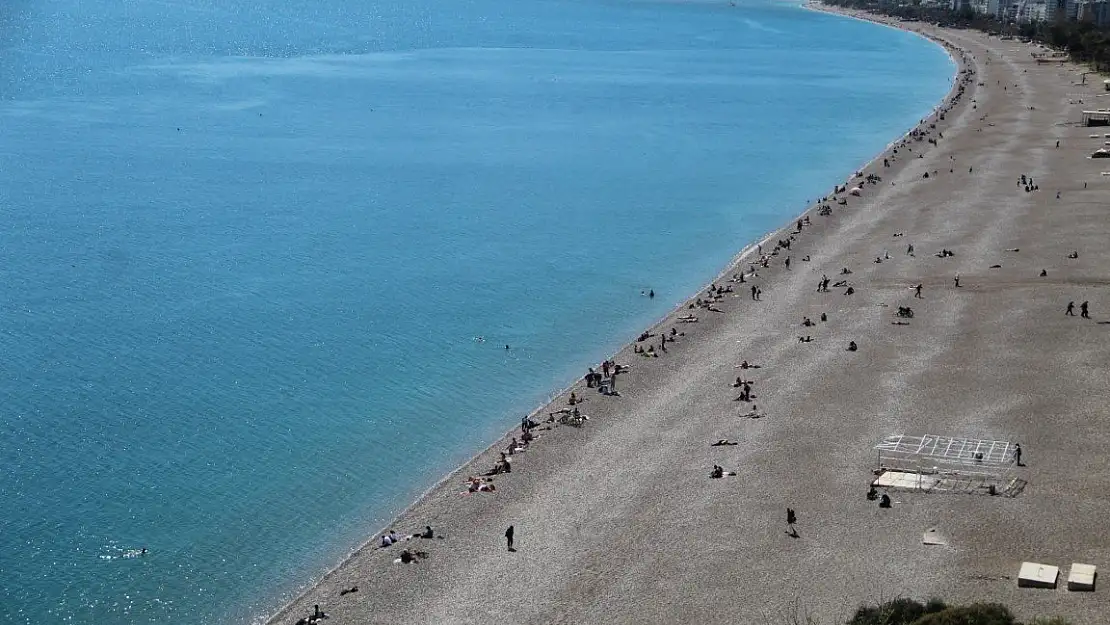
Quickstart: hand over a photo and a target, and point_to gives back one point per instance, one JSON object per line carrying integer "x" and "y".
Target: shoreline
{"x": 667, "y": 319}
{"x": 622, "y": 521}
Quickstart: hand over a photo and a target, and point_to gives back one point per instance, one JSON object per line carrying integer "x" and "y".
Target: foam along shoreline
{"x": 597, "y": 508}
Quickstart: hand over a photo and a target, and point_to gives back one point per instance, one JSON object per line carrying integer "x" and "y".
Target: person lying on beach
{"x": 347, "y": 591}
{"x": 479, "y": 485}
{"x": 1074, "y": 254}
{"x": 741, "y": 382}
{"x": 719, "y": 472}
{"x": 688, "y": 319}
{"x": 723, "y": 443}
{"x": 748, "y": 365}
{"x": 805, "y": 339}
{"x": 753, "y": 413}
{"x": 409, "y": 557}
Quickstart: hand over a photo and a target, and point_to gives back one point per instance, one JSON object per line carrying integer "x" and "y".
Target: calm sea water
{"x": 246, "y": 248}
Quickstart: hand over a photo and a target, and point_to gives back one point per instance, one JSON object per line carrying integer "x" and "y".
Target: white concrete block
{"x": 1082, "y": 576}
{"x": 1035, "y": 575}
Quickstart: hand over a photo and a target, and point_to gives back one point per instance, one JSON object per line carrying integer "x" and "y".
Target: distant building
{"x": 1097, "y": 12}
{"x": 1054, "y": 9}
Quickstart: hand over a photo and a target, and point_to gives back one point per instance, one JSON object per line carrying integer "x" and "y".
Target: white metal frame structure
{"x": 944, "y": 463}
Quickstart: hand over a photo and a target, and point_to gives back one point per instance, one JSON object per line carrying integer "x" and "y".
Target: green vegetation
{"x": 1083, "y": 41}
{"x": 936, "y": 612}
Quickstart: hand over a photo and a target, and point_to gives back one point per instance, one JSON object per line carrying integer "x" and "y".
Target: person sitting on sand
{"x": 852, "y": 346}
{"x": 723, "y": 442}
{"x": 427, "y": 533}
{"x": 386, "y": 540}
{"x": 1074, "y": 254}
{"x": 884, "y": 501}
{"x": 807, "y": 322}
{"x": 845, "y": 271}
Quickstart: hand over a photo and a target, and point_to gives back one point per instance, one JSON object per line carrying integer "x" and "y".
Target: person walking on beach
{"x": 1071, "y": 309}
{"x": 788, "y": 263}
{"x": 791, "y": 519}
{"x": 754, "y": 290}
{"x": 957, "y": 279}
{"x": 509, "y": 538}
{"x": 917, "y": 292}
{"x": 1083, "y": 311}
{"x": 1017, "y": 455}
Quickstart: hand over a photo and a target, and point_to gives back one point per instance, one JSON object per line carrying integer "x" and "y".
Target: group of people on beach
{"x": 653, "y": 344}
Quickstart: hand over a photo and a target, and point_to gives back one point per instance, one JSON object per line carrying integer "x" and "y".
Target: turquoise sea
{"x": 246, "y": 250}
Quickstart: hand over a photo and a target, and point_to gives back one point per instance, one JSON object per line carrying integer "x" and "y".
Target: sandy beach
{"x": 618, "y": 521}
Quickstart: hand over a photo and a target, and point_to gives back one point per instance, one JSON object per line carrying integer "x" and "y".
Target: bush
{"x": 974, "y": 614}
{"x": 896, "y": 612}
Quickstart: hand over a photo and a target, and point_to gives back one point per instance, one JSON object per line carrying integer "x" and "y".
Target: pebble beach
{"x": 617, "y": 519}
